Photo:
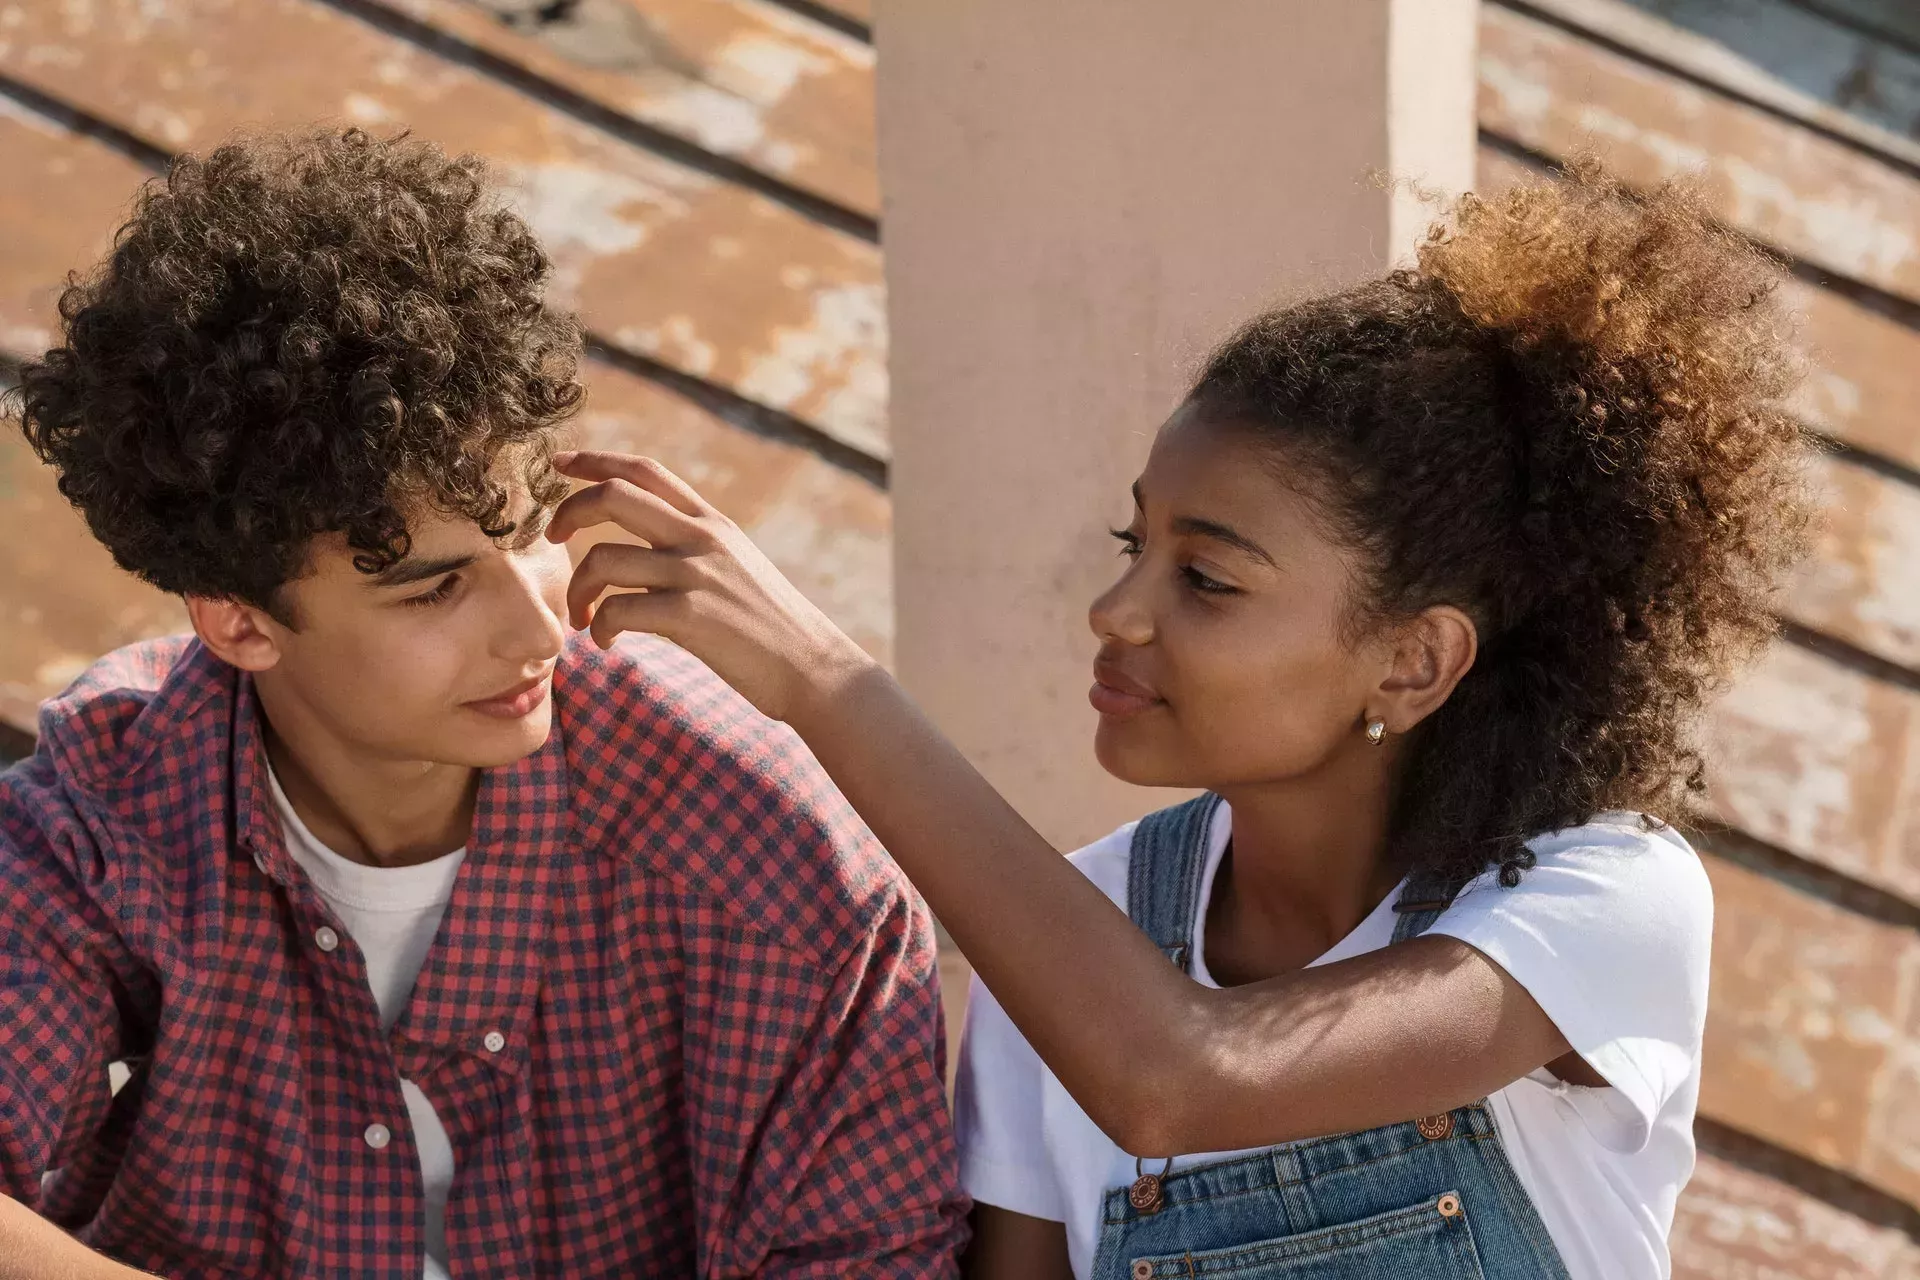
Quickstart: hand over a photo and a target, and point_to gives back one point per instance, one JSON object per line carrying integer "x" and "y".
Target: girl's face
{"x": 1223, "y": 655}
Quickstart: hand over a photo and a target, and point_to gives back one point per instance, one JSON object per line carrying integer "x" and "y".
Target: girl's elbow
{"x": 1151, "y": 1110}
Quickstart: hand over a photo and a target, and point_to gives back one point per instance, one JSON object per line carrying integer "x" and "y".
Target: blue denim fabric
{"x": 1434, "y": 1199}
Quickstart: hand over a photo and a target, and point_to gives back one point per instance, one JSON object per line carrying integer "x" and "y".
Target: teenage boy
{"x": 436, "y": 941}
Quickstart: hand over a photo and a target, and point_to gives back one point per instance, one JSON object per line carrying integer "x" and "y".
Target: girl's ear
{"x": 1430, "y": 656}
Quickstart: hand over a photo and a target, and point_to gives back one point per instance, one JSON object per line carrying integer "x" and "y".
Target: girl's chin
{"x": 1136, "y": 758}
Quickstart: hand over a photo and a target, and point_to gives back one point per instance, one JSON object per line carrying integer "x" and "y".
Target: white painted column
{"x": 1080, "y": 197}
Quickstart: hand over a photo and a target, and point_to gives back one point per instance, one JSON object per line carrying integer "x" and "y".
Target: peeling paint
{"x": 765, "y": 70}
{"x": 575, "y": 206}
{"x": 677, "y": 341}
{"x": 1810, "y": 196}
{"x": 1735, "y": 1224}
{"x": 843, "y": 344}
{"x": 714, "y": 118}
{"x": 1790, "y": 744}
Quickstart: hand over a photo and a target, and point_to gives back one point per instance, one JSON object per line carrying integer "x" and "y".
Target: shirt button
{"x": 494, "y": 1041}
{"x": 378, "y": 1136}
{"x": 325, "y": 939}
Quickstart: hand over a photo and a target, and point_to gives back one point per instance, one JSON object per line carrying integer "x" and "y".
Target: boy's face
{"x": 445, "y": 658}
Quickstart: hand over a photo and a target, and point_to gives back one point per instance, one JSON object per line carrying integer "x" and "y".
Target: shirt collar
{"x": 485, "y": 967}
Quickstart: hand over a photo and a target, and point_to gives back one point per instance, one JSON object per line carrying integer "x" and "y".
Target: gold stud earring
{"x": 1376, "y": 731}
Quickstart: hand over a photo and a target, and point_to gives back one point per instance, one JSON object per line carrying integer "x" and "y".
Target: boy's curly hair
{"x": 1567, "y": 421}
{"x": 299, "y": 335}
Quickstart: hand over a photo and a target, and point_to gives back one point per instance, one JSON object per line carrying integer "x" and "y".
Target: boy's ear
{"x": 1431, "y": 656}
{"x": 237, "y": 634}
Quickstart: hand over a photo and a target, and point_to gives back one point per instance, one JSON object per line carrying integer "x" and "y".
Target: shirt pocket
{"x": 1431, "y": 1240}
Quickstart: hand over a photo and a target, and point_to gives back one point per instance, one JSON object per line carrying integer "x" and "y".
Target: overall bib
{"x": 1432, "y": 1199}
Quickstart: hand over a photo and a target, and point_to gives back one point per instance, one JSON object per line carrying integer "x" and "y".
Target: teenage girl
{"x": 1423, "y": 587}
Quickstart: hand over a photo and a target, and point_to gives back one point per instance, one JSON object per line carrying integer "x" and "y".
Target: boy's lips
{"x": 516, "y": 701}
{"x": 1114, "y": 693}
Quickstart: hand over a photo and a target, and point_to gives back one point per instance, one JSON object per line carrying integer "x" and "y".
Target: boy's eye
{"x": 438, "y": 594}
{"x": 1129, "y": 542}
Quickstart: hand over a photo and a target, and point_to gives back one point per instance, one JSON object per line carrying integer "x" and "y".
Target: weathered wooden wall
{"x": 703, "y": 172}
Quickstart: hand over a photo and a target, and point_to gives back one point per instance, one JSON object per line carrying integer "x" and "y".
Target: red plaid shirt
{"x": 719, "y": 1002}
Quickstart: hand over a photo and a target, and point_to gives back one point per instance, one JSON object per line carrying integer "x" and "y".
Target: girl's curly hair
{"x": 301, "y": 335}
{"x": 1567, "y": 421}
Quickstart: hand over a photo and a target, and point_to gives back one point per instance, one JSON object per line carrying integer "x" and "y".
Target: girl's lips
{"x": 1120, "y": 703}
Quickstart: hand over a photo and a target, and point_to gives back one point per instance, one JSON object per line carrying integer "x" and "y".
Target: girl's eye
{"x": 438, "y": 594}
{"x": 1201, "y": 582}
{"x": 1129, "y": 542}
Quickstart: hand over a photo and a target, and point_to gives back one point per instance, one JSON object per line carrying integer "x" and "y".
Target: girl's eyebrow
{"x": 1199, "y": 528}
{"x": 1221, "y": 533}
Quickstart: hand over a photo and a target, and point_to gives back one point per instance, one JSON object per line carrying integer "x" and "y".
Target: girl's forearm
{"x": 1096, "y": 999}
{"x": 1162, "y": 1064}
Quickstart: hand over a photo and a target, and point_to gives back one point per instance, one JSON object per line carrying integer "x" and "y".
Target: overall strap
{"x": 1163, "y": 874}
{"x": 1420, "y": 904}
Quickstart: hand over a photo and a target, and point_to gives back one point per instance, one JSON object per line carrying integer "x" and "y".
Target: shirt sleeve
{"x": 835, "y": 1108}
{"x": 58, "y": 1019}
{"x": 1610, "y": 933}
{"x": 998, "y": 1090}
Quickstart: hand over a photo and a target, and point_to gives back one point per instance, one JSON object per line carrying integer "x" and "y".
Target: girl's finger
{"x": 643, "y": 473}
{"x": 654, "y": 612}
{"x": 619, "y": 501}
{"x": 621, "y": 564}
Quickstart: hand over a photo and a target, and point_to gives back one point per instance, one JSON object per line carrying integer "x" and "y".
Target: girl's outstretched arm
{"x": 1162, "y": 1064}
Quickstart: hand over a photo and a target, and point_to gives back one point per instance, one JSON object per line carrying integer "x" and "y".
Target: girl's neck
{"x": 1307, "y": 865}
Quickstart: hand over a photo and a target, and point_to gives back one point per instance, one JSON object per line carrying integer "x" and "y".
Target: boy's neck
{"x": 380, "y": 813}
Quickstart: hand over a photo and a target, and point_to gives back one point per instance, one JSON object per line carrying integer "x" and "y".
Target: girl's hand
{"x": 700, "y": 582}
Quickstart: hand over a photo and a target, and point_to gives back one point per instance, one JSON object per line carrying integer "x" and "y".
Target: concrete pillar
{"x": 1080, "y": 196}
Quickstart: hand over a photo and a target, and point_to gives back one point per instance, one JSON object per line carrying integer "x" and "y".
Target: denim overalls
{"x": 1432, "y": 1199}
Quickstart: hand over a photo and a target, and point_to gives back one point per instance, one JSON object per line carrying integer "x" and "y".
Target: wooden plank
{"x": 1816, "y": 758}
{"x": 59, "y": 206}
{"x": 1894, "y": 20}
{"x": 858, "y": 10}
{"x": 740, "y": 78}
{"x": 1733, "y": 1222}
{"x": 1816, "y": 199}
{"x": 65, "y": 603}
{"x": 1813, "y": 1030}
{"x": 662, "y": 260}
{"x": 1858, "y": 584}
{"x": 1860, "y": 385}
{"x": 1810, "y": 66}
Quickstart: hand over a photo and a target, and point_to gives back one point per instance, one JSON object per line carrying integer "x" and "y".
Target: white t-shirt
{"x": 1609, "y": 932}
{"x": 392, "y": 914}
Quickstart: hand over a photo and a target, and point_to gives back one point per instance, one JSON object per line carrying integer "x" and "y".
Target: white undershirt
{"x": 1610, "y": 933}
{"x": 392, "y": 914}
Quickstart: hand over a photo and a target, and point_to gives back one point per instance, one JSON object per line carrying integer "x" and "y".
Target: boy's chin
{"x": 495, "y": 746}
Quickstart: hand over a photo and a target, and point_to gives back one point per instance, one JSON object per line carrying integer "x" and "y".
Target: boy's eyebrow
{"x": 1211, "y": 529}
{"x": 528, "y": 531}
{"x": 410, "y": 571}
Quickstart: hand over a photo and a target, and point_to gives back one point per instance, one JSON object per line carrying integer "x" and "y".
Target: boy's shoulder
{"x": 125, "y": 712}
{"x": 667, "y": 764}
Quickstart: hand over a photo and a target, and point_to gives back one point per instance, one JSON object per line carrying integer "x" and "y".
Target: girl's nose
{"x": 1119, "y": 613}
